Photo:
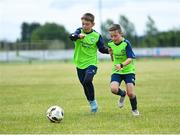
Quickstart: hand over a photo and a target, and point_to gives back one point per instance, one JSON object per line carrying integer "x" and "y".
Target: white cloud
{"x": 68, "y": 12}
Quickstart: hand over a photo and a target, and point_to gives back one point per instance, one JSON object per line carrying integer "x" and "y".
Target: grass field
{"x": 27, "y": 90}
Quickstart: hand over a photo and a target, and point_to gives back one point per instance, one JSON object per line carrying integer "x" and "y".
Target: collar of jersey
{"x": 87, "y": 32}
{"x": 120, "y": 42}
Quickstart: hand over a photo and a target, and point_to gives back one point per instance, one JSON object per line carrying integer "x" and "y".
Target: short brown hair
{"x": 88, "y": 17}
{"x": 114, "y": 27}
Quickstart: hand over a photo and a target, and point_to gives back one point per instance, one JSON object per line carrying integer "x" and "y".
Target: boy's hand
{"x": 110, "y": 51}
{"x": 118, "y": 67}
{"x": 81, "y": 36}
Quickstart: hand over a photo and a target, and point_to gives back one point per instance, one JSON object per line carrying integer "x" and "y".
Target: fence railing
{"x": 45, "y": 55}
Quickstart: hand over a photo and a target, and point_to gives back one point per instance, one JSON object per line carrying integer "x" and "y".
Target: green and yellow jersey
{"x": 121, "y": 52}
{"x": 85, "y": 53}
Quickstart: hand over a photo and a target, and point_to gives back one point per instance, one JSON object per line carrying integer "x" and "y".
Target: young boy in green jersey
{"x": 123, "y": 67}
{"x": 87, "y": 42}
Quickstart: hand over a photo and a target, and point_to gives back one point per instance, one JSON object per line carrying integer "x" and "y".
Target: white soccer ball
{"x": 55, "y": 113}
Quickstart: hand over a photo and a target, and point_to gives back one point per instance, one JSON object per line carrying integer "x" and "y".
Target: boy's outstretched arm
{"x": 74, "y": 36}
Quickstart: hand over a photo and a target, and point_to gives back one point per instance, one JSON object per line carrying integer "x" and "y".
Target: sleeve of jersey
{"x": 74, "y": 36}
{"x": 129, "y": 51}
{"x": 101, "y": 47}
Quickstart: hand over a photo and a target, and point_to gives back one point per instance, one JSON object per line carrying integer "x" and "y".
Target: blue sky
{"x": 166, "y": 13}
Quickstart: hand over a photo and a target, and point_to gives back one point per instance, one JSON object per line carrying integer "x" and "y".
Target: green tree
{"x": 151, "y": 33}
{"x": 169, "y": 38}
{"x": 52, "y": 31}
{"x": 24, "y": 31}
{"x": 177, "y": 35}
{"x": 127, "y": 26}
{"x": 27, "y": 29}
{"x": 151, "y": 27}
{"x": 104, "y": 29}
{"x": 128, "y": 29}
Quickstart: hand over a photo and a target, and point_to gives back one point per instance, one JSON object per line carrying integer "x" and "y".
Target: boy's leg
{"x": 86, "y": 77}
{"x": 81, "y": 75}
{"x": 133, "y": 102}
{"x": 130, "y": 85}
{"x": 132, "y": 99}
{"x": 115, "y": 83}
{"x": 122, "y": 98}
{"x": 87, "y": 83}
{"x": 132, "y": 96}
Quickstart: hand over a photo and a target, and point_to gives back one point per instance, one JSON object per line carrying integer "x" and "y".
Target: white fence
{"x": 68, "y": 54}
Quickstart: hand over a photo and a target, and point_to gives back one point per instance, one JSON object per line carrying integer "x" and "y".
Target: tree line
{"x": 152, "y": 37}
{"x": 52, "y": 35}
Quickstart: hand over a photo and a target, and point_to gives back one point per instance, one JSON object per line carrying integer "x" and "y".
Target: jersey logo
{"x": 93, "y": 40}
{"x": 123, "y": 51}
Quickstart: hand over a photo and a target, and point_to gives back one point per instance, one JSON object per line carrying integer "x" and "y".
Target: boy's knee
{"x": 130, "y": 94}
{"x": 114, "y": 89}
{"x": 87, "y": 80}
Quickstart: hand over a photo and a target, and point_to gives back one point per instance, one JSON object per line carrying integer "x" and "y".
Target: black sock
{"x": 122, "y": 93}
{"x": 133, "y": 102}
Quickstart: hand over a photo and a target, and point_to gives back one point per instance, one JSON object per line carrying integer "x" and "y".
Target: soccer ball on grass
{"x": 55, "y": 113}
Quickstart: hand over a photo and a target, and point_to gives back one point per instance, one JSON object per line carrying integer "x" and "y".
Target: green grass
{"x": 27, "y": 90}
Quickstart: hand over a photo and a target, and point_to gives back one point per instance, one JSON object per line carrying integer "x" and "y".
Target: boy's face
{"x": 115, "y": 36}
{"x": 87, "y": 25}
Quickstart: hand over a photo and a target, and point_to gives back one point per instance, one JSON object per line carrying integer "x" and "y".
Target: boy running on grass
{"x": 87, "y": 42}
{"x": 123, "y": 67}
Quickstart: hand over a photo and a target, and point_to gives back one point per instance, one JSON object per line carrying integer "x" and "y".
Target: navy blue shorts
{"x": 87, "y": 74}
{"x": 127, "y": 78}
